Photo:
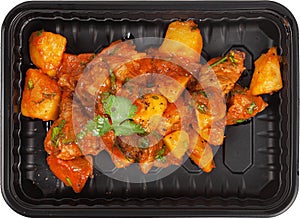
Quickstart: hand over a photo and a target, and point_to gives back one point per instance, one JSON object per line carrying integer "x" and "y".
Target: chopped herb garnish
{"x": 161, "y": 155}
{"x": 39, "y": 32}
{"x": 202, "y": 93}
{"x": 222, "y": 60}
{"x": 40, "y": 101}
{"x": 104, "y": 95}
{"x": 155, "y": 97}
{"x": 240, "y": 121}
{"x": 92, "y": 57}
{"x": 57, "y": 132}
{"x": 49, "y": 95}
{"x": 185, "y": 144}
{"x": 122, "y": 151}
{"x": 112, "y": 79}
{"x": 202, "y": 108}
{"x": 81, "y": 135}
{"x": 69, "y": 181}
{"x": 194, "y": 28}
{"x": 251, "y": 108}
{"x": 67, "y": 141}
{"x": 112, "y": 76}
{"x": 232, "y": 59}
{"x": 83, "y": 64}
{"x": 229, "y": 56}
{"x": 30, "y": 84}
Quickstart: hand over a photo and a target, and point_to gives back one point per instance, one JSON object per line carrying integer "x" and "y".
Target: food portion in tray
{"x": 150, "y": 107}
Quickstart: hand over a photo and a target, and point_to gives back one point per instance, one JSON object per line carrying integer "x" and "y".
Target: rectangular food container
{"x": 257, "y": 167}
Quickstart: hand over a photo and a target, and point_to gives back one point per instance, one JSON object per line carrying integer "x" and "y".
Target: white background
{"x": 291, "y": 213}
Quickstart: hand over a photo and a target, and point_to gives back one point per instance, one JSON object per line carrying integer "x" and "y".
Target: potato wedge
{"x": 172, "y": 89}
{"x": 46, "y": 50}
{"x": 183, "y": 39}
{"x": 267, "y": 76}
{"x": 210, "y": 130}
{"x": 177, "y": 142}
{"x": 210, "y": 113}
{"x": 41, "y": 96}
{"x": 173, "y": 81}
{"x": 171, "y": 120}
{"x": 202, "y": 155}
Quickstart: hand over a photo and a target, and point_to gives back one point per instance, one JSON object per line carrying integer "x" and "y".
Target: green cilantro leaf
{"x": 127, "y": 127}
{"x": 121, "y": 111}
{"x": 99, "y": 126}
{"x": 251, "y": 108}
{"x": 119, "y": 108}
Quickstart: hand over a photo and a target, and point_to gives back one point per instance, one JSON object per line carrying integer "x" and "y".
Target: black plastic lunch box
{"x": 256, "y": 170}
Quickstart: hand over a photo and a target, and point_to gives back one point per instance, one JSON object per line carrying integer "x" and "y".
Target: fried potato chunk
{"x": 183, "y": 39}
{"x": 174, "y": 78}
{"x": 177, "y": 142}
{"x": 41, "y": 96}
{"x": 150, "y": 110}
{"x": 46, "y": 50}
{"x": 267, "y": 76}
{"x": 201, "y": 153}
{"x": 210, "y": 129}
{"x": 171, "y": 120}
{"x": 174, "y": 85}
{"x": 210, "y": 113}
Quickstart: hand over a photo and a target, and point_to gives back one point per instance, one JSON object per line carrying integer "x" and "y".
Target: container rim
{"x": 6, "y": 133}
